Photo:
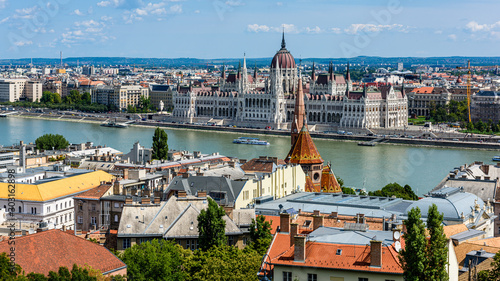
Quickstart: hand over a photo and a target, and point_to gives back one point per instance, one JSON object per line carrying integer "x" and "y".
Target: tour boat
{"x": 496, "y": 158}
{"x": 247, "y": 140}
{"x": 113, "y": 124}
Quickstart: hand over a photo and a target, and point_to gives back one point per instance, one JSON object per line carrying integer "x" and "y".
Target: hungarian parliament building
{"x": 329, "y": 98}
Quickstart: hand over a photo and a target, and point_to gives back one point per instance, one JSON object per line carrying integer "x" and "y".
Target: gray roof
{"x": 193, "y": 184}
{"x": 344, "y": 204}
{"x": 174, "y": 218}
{"x": 452, "y": 202}
{"x": 466, "y": 235}
{"x": 243, "y": 216}
{"x": 485, "y": 190}
{"x": 336, "y": 235}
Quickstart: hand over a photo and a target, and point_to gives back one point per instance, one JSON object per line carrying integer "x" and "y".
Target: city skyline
{"x": 227, "y": 29}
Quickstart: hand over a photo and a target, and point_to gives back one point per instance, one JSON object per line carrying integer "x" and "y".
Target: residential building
{"x": 175, "y": 219}
{"x": 49, "y": 202}
{"x": 161, "y": 93}
{"x": 20, "y": 89}
{"x": 485, "y": 106}
{"x": 124, "y": 96}
{"x": 49, "y": 250}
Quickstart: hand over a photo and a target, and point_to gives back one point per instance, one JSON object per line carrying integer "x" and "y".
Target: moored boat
{"x": 247, "y": 140}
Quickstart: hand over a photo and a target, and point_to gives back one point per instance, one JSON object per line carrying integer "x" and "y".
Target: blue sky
{"x": 227, "y": 29}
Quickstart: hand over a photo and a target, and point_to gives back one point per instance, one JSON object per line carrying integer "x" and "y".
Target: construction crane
{"x": 468, "y": 88}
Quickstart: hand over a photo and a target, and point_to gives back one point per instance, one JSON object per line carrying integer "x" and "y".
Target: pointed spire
{"x": 348, "y": 74}
{"x": 223, "y": 75}
{"x": 244, "y": 61}
{"x": 255, "y": 71}
{"x": 283, "y": 44}
{"x": 239, "y": 69}
{"x": 403, "y": 89}
{"x": 313, "y": 74}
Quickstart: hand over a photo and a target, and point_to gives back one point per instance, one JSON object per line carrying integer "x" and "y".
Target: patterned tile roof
{"x": 304, "y": 150}
{"x": 48, "y": 250}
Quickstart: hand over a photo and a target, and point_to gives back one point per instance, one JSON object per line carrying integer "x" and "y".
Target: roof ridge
{"x": 156, "y": 215}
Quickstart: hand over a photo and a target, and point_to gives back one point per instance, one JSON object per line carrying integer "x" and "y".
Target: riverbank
{"x": 84, "y": 118}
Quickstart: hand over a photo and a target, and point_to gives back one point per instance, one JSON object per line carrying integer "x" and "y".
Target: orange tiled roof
{"x": 423, "y": 90}
{"x": 48, "y": 250}
{"x": 461, "y": 250}
{"x": 261, "y": 165}
{"x": 304, "y": 150}
{"x": 323, "y": 255}
{"x": 491, "y": 242}
{"x": 329, "y": 182}
{"x": 450, "y": 230}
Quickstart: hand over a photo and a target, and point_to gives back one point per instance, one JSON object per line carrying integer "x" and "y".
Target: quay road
{"x": 401, "y": 137}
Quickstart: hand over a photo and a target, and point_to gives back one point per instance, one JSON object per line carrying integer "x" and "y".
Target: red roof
{"x": 94, "y": 193}
{"x": 48, "y": 250}
{"x": 423, "y": 90}
{"x": 324, "y": 255}
{"x": 284, "y": 58}
{"x": 304, "y": 150}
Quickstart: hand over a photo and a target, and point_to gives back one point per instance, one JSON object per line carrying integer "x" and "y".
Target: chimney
{"x": 300, "y": 249}
{"x": 294, "y": 229}
{"x": 285, "y": 222}
{"x": 125, "y": 174}
{"x": 316, "y": 213}
{"x": 128, "y": 200}
{"x": 116, "y": 188}
{"x": 317, "y": 221}
{"x": 181, "y": 194}
{"x": 202, "y": 194}
{"x": 334, "y": 215}
{"x": 63, "y": 228}
{"x": 145, "y": 200}
{"x": 156, "y": 200}
{"x": 376, "y": 253}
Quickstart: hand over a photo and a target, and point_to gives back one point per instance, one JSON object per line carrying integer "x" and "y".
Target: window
{"x": 93, "y": 207}
{"x": 65, "y": 204}
{"x": 80, "y": 207}
{"x": 126, "y": 243}
{"x": 312, "y": 277}
{"x": 20, "y": 209}
{"x": 116, "y": 218}
{"x": 230, "y": 240}
{"x": 48, "y": 209}
{"x": 117, "y": 205}
{"x": 287, "y": 276}
{"x": 80, "y": 219}
{"x": 362, "y": 279}
{"x": 93, "y": 220}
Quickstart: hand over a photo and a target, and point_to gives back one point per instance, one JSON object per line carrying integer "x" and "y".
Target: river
{"x": 359, "y": 166}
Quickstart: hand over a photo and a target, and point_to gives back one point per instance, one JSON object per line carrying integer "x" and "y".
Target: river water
{"x": 359, "y": 166}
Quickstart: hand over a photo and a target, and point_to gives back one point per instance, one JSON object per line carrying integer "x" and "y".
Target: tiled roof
{"x": 48, "y": 250}
{"x": 96, "y": 193}
{"x": 462, "y": 249}
{"x": 423, "y": 90}
{"x": 304, "y": 150}
{"x": 57, "y": 188}
{"x": 450, "y": 230}
{"x": 324, "y": 255}
{"x": 492, "y": 242}
{"x": 261, "y": 165}
{"x": 329, "y": 182}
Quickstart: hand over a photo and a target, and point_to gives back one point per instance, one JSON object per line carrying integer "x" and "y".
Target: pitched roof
{"x": 304, "y": 150}
{"x": 261, "y": 165}
{"x": 462, "y": 249}
{"x": 96, "y": 192}
{"x": 56, "y": 188}
{"x": 324, "y": 255}
{"x": 48, "y": 250}
{"x": 450, "y": 230}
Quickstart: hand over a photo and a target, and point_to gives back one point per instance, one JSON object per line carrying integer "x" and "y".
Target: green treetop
{"x": 437, "y": 250}
{"x": 50, "y": 141}
{"x": 211, "y": 226}
{"x": 160, "y": 146}
{"x": 413, "y": 256}
{"x": 260, "y": 233}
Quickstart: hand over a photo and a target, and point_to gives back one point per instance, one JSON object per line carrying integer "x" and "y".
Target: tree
{"x": 413, "y": 256}
{"x": 437, "y": 250}
{"x": 6, "y": 270}
{"x": 394, "y": 189}
{"x": 260, "y": 234}
{"x": 348, "y": 190}
{"x": 50, "y": 141}
{"x": 340, "y": 181}
{"x": 155, "y": 260}
{"x": 86, "y": 98}
{"x": 211, "y": 226}
{"x": 223, "y": 263}
{"x": 160, "y": 145}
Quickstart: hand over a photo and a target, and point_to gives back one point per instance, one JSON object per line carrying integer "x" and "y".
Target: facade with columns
{"x": 329, "y": 99}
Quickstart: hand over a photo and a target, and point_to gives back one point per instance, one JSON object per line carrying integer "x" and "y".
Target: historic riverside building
{"x": 319, "y": 178}
{"x": 241, "y": 98}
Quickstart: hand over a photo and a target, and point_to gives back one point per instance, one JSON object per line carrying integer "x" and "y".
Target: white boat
{"x": 496, "y": 158}
{"x": 113, "y": 124}
{"x": 247, "y": 140}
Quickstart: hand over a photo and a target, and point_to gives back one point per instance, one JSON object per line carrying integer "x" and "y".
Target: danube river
{"x": 369, "y": 167}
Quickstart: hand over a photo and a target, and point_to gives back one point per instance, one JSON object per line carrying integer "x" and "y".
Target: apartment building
{"x": 20, "y": 89}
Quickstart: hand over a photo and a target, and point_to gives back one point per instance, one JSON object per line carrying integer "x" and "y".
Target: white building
{"x": 20, "y": 89}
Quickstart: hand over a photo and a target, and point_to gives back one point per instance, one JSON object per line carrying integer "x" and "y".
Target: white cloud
{"x": 197, "y": 11}
{"x": 4, "y": 20}
{"x": 3, "y": 4}
{"x": 279, "y": 4}
{"x": 176, "y": 9}
{"x": 336, "y": 30}
{"x": 258, "y": 28}
{"x": 104, "y": 3}
{"x": 106, "y": 18}
{"x": 88, "y": 23}
{"x": 26, "y": 13}
{"x": 78, "y": 12}
{"x": 474, "y": 26}
{"x": 438, "y": 32}
{"x": 23, "y": 43}
{"x": 372, "y": 28}
{"x": 452, "y": 37}
{"x": 314, "y": 30}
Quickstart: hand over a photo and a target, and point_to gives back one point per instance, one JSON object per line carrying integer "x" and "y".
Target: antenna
{"x": 60, "y": 54}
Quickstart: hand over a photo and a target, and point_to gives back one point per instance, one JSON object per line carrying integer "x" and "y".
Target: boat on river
{"x": 496, "y": 158}
{"x": 114, "y": 124}
{"x": 247, "y": 140}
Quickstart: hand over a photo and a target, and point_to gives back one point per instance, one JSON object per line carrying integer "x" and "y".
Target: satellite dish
{"x": 397, "y": 246}
{"x": 396, "y": 235}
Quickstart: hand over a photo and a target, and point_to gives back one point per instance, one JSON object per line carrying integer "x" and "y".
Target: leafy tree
{"x": 86, "y": 98}
{"x": 223, "y": 263}
{"x": 260, "y": 234}
{"x": 348, "y": 190}
{"x": 437, "y": 250}
{"x": 50, "y": 141}
{"x": 155, "y": 260}
{"x": 160, "y": 145}
{"x": 394, "y": 189}
{"x": 6, "y": 270}
{"x": 362, "y": 192}
{"x": 470, "y": 126}
{"x": 340, "y": 181}
{"x": 211, "y": 226}
{"x": 413, "y": 256}
{"x": 492, "y": 274}
{"x": 480, "y": 126}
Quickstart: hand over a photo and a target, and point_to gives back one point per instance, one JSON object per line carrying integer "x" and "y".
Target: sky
{"x": 229, "y": 29}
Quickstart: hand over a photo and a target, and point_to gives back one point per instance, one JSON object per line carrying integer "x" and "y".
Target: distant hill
{"x": 260, "y": 62}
